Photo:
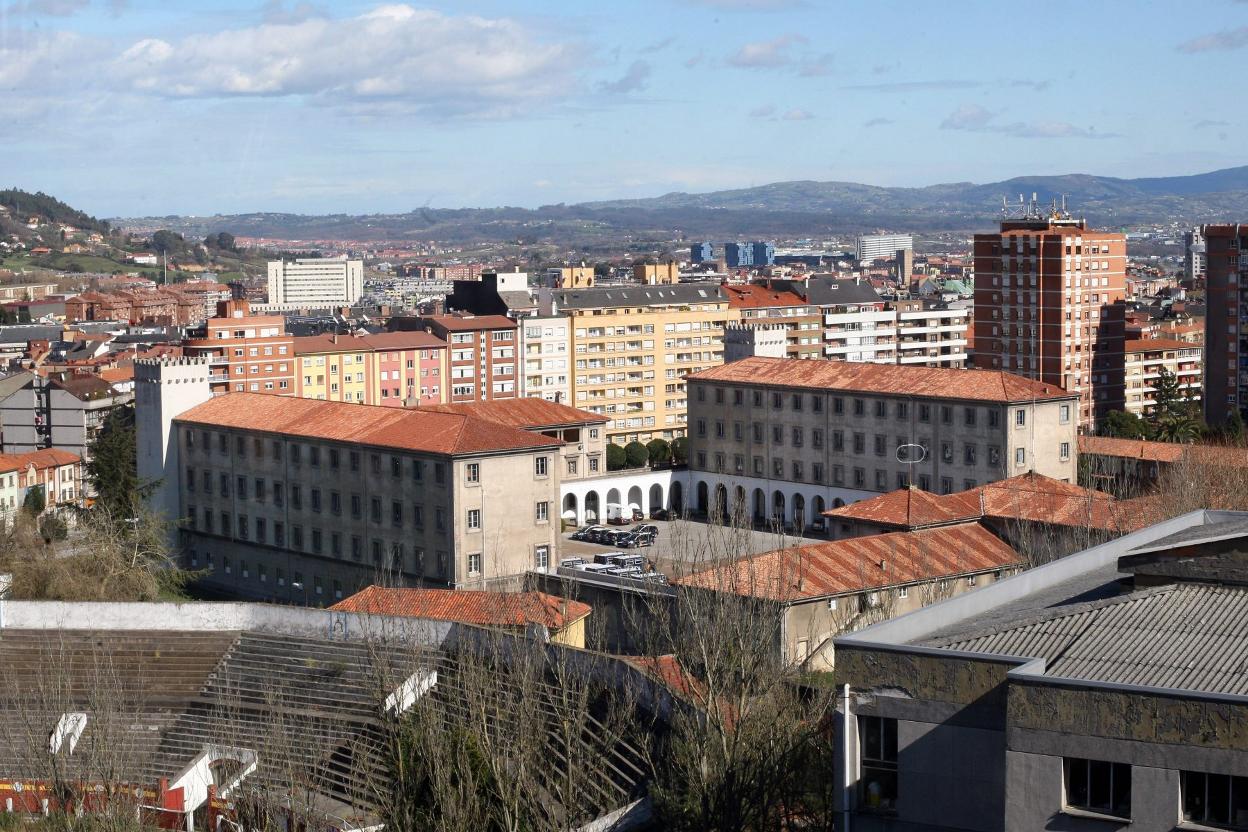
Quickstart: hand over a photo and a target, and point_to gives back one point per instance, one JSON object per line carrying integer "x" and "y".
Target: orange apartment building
{"x": 482, "y": 363}
{"x": 1226, "y": 321}
{"x": 247, "y": 353}
{"x": 1049, "y": 304}
{"x": 396, "y": 369}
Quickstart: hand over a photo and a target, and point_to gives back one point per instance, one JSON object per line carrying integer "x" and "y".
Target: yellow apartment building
{"x": 395, "y": 369}
{"x": 632, "y": 348}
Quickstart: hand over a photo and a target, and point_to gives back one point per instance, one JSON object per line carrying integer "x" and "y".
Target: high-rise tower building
{"x": 1049, "y": 304}
{"x": 332, "y": 281}
{"x": 1226, "y": 321}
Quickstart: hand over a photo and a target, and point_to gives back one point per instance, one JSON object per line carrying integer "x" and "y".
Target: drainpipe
{"x": 846, "y": 758}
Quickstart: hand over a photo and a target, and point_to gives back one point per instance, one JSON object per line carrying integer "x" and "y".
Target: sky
{"x": 155, "y": 107}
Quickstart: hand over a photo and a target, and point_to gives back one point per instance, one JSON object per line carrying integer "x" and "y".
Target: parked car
{"x": 571, "y": 562}
{"x": 598, "y": 533}
{"x": 583, "y": 532}
{"x": 631, "y": 540}
{"x": 637, "y": 515}
{"x": 659, "y": 514}
{"x": 622, "y": 559}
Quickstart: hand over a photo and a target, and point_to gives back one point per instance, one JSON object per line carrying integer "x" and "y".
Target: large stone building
{"x": 785, "y": 438}
{"x": 1049, "y": 305}
{"x": 315, "y": 282}
{"x": 1105, "y": 690}
{"x": 327, "y": 495}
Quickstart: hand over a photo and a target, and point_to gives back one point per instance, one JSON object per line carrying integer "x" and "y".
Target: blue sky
{"x": 129, "y": 107}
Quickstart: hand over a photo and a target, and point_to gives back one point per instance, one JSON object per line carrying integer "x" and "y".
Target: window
{"x": 877, "y": 750}
{"x": 970, "y": 417}
{"x": 994, "y": 418}
{"x": 474, "y": 518}
{"x": 541, "y": 557}
{"x": 860, "y": 407}
{"x": 1064, "y": 450}
{"x": 396, "y": 513}
{"x": 1020, "y": 418}
{"x": 542, "y": 511}
{"x": 474, "y": 563}
{"x": 1020, "y": 456}
{"x": 925, "y": 413}
{"x": 1218, "y": 800}
{"x": 1063, "y": 414}
{"x": 472, "y": 472}
{"x": 1098, "y": 786}
{"x": 374, "y": 507}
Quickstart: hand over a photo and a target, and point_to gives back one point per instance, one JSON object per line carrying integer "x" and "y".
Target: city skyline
{"x": 136, "y": 108}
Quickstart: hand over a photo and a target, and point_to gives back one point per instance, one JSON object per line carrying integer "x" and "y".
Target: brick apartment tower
{"x": 1226, "y": 321}
{"x": 1050, "y": 305}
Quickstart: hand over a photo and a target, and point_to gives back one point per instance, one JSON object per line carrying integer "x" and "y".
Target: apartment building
{"x": 1195, "y": 255}
{"x": 931, "y": 334}
{"x": 58, "y": 473}
{"x": 632, "y": 348}
{"x": 546, "y": 347}
{"x": 482, "y": 361}
{"x": 1049, "y": 305}
{"x": 778, "y": 305}
{"x": 62, "y": 410}
{"x": 1144, "y": 361}
{"x": 1226, "y": 321}
{"x": 873, "y": 246}
{"x": 393, "y": 369}
{"x": 782, "y": 438}
{"x": 246, "y": 353}
{"x": 313, "y": 282}
{"x": 1103, "y": 690}
{"x": 570, "y": 277}
{"x": 286, "y": 497}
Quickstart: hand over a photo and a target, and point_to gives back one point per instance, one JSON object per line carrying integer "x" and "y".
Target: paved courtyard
{"x": 682, "y": 542}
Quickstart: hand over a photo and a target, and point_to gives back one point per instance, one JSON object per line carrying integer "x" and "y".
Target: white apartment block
{"x": 871, "y": 246}
{"x": 545, "y": 344}
{"x": 1144, "y": 361}
{"x": 334, "y": 281}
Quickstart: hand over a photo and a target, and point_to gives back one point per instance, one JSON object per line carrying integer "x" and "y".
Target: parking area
{"x": 683, "y": 544}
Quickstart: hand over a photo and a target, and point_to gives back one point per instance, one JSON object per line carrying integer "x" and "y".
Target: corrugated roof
{"x": 887, "y": 379}
{"x": 527, "y": 413}
{"x": 1190, "y": 637}
{"x": 860, "y": 563}
{"x": 665, "y": 295}
{"x": 386, "y": 427}
{"x": 490, "y": 609}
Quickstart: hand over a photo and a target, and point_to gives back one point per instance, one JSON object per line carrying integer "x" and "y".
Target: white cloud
{"x": 634, "y": 80}
{"x": 1227, "y": 39}
{"x": 797, "y": 114}
{"x": 766, "y": 54}
{"x": 973, "y": 118}
{"x": 418, "y": 59}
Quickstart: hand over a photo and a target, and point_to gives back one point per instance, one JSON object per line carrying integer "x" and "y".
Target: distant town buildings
{"x": 315, "y": 282}
{"x": 1049, "y": 304}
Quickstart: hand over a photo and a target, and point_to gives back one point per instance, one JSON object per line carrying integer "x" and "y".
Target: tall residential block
{"x": 701, "y": 252}
{"x": 392, "y": 369}
{"x": 247, "y": 353}
{"x": 1194, "y": 254}
{"x": 332, "y": 281}
{"x": 874, "y": 246}
{"x": 1049, "y": 305}
{"x": 482, "y": 364}
{"x": 1226, "y": 321}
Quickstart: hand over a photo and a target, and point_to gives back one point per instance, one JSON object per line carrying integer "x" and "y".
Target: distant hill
{"x": 23, "y": 205}
{"x": 802, "y": 208}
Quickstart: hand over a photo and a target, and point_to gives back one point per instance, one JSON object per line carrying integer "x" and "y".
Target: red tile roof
{"x": 860, "y": 563}
{"x": 1158, "y": 344}
{"x": 527, "y": 413}
{"x": 755, "y": 296}
{"x": 41, "y": 459}
{"x": 488, "y": 609}
{"x": 456, "y": 323}
{"x": 1144, "y": 451}
{"x": 888, "y": 379}
{"x": 386, "y": 427}
{"x": 381, "y": 342}
{"x": 1031, "y": 497}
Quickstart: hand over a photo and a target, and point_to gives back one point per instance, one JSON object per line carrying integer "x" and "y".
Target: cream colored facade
{"x": 315, "y": 281}
{"x": 267, "y": 512}
{"x": 1144, "y": 362}
{"x": 632, "y": 348}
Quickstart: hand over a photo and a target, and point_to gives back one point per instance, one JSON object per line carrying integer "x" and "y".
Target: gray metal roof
{"x": 1189, "y": 637}
{"x": 833, "y": 291}
{"x": 608, "y": 296}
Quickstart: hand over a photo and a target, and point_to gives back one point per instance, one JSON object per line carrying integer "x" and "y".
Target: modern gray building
{"x": 872, "y": 246}
{"x": 62, "y": 410}
{"x": 1106, "y": 690}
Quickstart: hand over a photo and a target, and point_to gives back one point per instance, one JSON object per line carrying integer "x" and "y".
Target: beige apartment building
{"x": 787, "y": 438}
{"x": 305, "y": 501}
{"x": 632, "y": 348}
{"x": 1145, "y": 359}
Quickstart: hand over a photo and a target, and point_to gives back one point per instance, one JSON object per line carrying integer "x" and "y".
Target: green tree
{"x": 113, "y": 469}
{"x": 1174, "y": 417}
{"x": 35, "y": 501}
{"x": 660, "y": 451}
{"x": 680, "y": 450}
{"x": 1233, "y": 430}
{"x": 1122, "y": 425}
{"x": 637, "y": 454}
{"x": 1176, "y": 426}
{"x": 168, "y": 242}
{"x": 616, "y": 457}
